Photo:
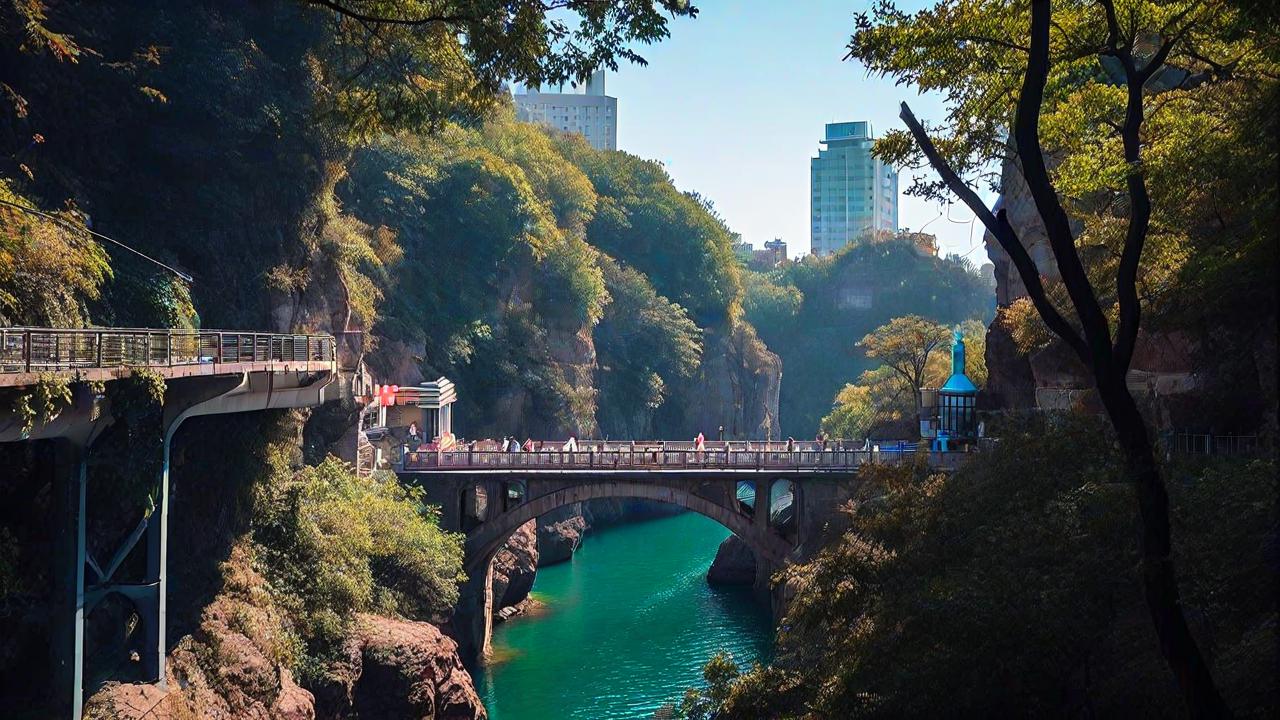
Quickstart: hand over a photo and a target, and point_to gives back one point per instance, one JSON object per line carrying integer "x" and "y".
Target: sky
{"x": 734, "y": 103}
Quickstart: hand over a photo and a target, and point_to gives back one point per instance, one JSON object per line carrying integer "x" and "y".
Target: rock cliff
{"x": 736, "y": 386}
{"x": 735, "y": 564}
{"x": 559, "y": 534}
{"x": 515, "y": 567}
{"x": 228, "y": 667}
{"x": 233, "y": 666}
{"x": 399, "y": 669}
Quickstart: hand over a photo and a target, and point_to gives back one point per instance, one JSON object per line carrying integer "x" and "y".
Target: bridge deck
{"x": 108, "y": 353}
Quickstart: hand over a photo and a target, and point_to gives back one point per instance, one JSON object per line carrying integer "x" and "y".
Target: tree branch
{"x": 341, "y": 9}
{"x": 1097, "y": 330}
{"x": 1004, "y": 234}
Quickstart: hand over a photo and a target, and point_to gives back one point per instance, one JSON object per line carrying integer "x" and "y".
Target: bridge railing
{"x": 29, "y": 350}
{"x": 650, "y": 458}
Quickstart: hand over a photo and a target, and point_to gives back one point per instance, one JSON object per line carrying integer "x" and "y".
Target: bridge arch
{"x": 484, "y": 541}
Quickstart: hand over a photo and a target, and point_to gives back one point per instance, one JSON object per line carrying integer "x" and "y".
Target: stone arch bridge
{"x": 776, "y": 497}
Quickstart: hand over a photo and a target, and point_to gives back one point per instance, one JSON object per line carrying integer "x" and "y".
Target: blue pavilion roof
{"x": 959, "y": 384}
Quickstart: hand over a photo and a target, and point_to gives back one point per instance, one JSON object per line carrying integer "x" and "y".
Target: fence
{"x": 1206, "y": 444}
{"x": 28, "y": 350}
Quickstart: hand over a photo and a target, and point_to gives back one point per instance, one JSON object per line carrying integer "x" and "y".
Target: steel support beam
{"x": 66, "y": 461}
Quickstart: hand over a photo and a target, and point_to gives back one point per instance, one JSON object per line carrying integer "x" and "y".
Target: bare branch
{"x": 1004, "y": 234}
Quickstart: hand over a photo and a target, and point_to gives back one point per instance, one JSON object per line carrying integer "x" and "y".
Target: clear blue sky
{"x": 733, "y": 103}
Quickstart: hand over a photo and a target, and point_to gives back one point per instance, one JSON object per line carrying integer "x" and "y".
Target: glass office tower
{"x": 851, "y": 192}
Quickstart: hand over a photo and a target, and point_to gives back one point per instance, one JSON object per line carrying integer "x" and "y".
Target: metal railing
{"x": 31, "y": 350}
{"x": 659, "y": 456}
{"x": 1206, "y": 444}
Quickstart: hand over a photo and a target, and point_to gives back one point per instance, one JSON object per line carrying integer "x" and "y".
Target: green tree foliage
{"x": 641, "y": 219}
{"x": 1009, "y": 588}
{"x": 645, "y": 343}
{"x": 1115, "y": 96}
{"x": 883, "y": 402}
{"x": 905, "y": 345}
{"x": 503, "y": 218}
{"x": 333, "y": 544}
{"x": 769, "y": 303}
{"x": 413, "y": 64}
{"x": 843, "y": 298}
{"x": 49, "y": 269}
{"x": 1200, "y": 123}
{"x": 494, "y": 271}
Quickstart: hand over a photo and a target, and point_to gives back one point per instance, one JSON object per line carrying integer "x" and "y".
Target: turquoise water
{"x": 628, "y": 625}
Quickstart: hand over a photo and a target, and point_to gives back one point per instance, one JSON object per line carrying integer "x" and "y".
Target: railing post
{"x": 97, "y": 339}
{"x": 26, "y": 349}
{"x": 168, "y": 348}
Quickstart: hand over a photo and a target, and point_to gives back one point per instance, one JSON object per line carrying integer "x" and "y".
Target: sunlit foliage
{"x": 813, "y": 312}
{"x": 49, "y": 269}
{"x": 1200, "y": 136}
{"x": 333, "y": 544}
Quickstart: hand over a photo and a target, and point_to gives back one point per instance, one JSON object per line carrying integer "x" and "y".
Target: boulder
{"x": 735, "y": 564}
{"x": 400, "y": 669}
{"x": 558, "y": 539}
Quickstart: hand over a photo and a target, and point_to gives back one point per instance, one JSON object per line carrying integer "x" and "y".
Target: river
{"x": 628, "y": 624}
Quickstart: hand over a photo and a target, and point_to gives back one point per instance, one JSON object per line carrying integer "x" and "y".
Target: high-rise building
{"x": 590, "y": 113}
{"x": 852, "y": 193}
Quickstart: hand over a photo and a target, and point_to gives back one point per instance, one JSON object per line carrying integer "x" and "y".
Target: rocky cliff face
{"x": 228, "y": 667}
{"x": 399, "y": 669}
{"x": 232, "y": 666}
{"x": 559, "y": 534}
{"x": 515, "y": 567}
{"x": 736, "y": 386}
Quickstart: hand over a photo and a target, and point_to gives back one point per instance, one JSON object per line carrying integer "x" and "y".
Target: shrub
{"x": 333, "y": 544}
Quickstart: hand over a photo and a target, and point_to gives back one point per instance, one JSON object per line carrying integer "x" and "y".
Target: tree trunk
{"x": 1159, "y": 581}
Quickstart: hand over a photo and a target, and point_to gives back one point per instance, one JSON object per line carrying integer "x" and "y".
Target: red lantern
{"x": 386, "y": 394}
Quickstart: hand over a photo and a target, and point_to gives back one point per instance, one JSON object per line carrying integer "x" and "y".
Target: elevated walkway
{"x": 206, "y": 373}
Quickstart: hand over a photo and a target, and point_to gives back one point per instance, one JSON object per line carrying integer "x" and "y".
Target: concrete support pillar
{"x": 760, "y": 516}
{"x": 65, "y": 459}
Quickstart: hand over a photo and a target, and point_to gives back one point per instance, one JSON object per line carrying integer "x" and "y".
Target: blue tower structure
{"x": 957, "y": 398}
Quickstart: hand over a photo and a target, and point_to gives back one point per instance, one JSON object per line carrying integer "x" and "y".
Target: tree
{"x": 905, "y": 344}
{"x": 416, "y": 63}
{"x": 1091, "y": 71}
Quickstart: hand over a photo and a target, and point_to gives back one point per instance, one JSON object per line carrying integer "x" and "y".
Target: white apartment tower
{"x": 852, "y": 193}
{"x": 591, "y": 113}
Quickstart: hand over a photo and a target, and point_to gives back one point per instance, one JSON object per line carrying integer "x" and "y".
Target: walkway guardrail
{"x": 1182, "y": 443}
{"x": 34, "y": 350}
{"x": 668, "y": 456}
